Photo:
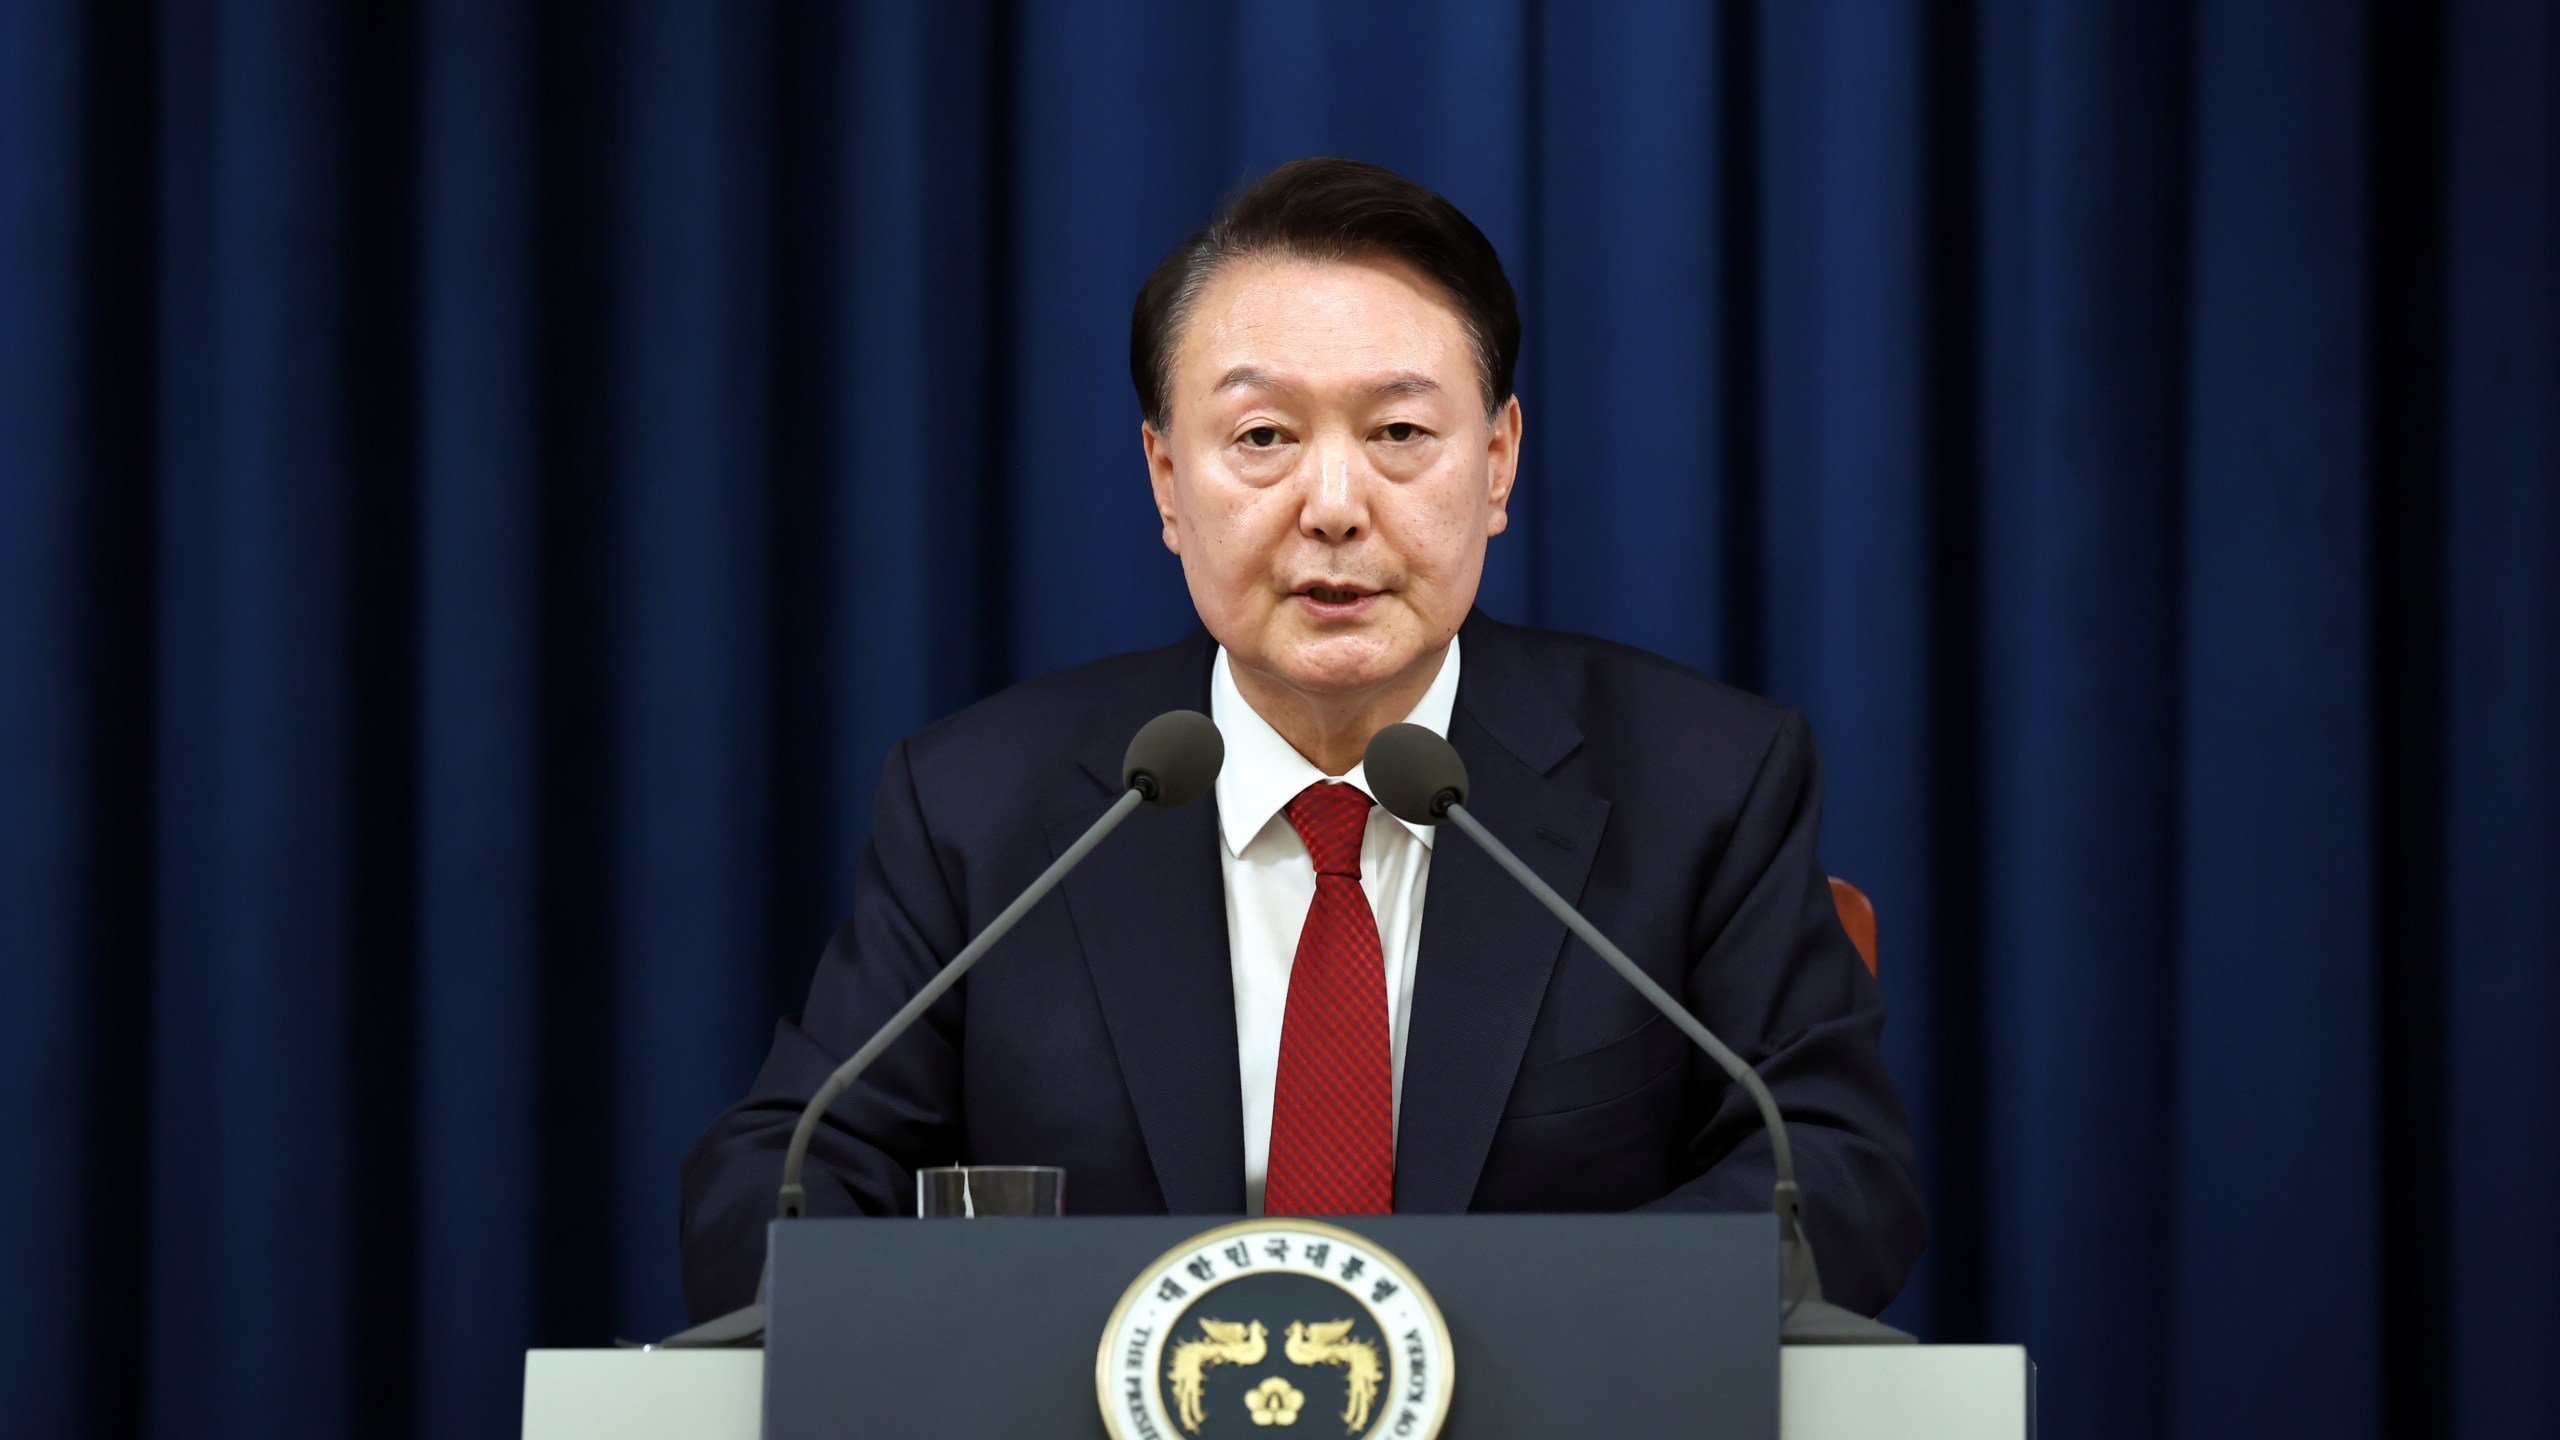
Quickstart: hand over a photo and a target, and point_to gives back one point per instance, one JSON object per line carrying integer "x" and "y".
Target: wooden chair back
{"x": 1858, "y": 917}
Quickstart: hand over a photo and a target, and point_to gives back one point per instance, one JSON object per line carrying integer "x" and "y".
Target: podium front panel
{"x": 1625, "y": 1325}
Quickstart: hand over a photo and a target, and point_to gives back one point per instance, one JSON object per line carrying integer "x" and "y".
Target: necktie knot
{"x": 1332, "y": 818}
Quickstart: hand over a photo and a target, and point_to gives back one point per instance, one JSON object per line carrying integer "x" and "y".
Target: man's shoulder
{"x": 1024, "y": 732}
{"x": 1609, "y": 687}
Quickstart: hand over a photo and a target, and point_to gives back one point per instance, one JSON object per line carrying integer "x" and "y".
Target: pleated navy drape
{"x": 485, "y": 483}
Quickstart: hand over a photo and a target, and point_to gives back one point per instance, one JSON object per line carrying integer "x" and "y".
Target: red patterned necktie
{"x": 1333, "y": 1101}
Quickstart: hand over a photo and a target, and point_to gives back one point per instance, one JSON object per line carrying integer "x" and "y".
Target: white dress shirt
{"x": 1271, "y": 884}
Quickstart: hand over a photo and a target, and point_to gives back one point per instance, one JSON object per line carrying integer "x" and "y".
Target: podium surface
{"x": 1848, "y": 1392}
{"x": 1629, "y": 1325}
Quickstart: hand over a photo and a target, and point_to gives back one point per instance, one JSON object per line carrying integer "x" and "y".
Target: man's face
{"x": 1329, "y": 475}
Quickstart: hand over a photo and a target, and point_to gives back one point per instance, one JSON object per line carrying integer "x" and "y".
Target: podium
{"x": 1626, "y": 1325}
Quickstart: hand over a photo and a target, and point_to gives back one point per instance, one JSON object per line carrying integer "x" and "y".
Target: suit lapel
{"x": 1150, "y": 910}
{"x": 1488, "y": 949}
{"x": 1150, "y": 914}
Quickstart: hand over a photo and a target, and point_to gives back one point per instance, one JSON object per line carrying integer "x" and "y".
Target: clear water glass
{"x": 966, "y": 1192}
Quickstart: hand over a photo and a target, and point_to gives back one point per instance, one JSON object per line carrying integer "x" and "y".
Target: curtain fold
{"x": 482, "y": 487}
{"x": 2500, "y": 478}
{"x": 2273, "y": 1086}
{"x": 2081, "y": 269}
{"x": 479, "y": 1247}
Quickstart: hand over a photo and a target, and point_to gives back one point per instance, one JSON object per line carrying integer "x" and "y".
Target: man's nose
{"x": 1337, "y": 501}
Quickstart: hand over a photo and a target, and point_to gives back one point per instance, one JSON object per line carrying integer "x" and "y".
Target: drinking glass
{"x": 957, "y": 1192}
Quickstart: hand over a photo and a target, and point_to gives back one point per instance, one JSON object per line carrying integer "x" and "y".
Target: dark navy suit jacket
{"x": 1100, "y": 1035}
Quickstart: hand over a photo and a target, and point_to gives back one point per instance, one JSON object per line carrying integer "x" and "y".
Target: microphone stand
{"x": 1171, "y": 762}
{"x": 1804, "y": 1317}
{"x": 745, "y": 1326}
{"x": 794, "y": 1200}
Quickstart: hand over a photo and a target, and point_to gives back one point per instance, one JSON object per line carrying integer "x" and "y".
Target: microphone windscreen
{"x": 1178, "y": 754}
{"x": 1410, "y": 770}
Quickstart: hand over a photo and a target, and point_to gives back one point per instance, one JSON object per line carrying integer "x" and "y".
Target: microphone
{"x": 1172, "y": 761}
{"x": 1419, "y": 777}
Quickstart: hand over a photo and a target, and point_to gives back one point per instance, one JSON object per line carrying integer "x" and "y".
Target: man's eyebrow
{"x": 1247, "y": 377}
{"x": 1407, "y": 383}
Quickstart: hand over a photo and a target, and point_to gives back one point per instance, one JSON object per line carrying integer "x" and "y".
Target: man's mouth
{"x": 1336, "y": 594}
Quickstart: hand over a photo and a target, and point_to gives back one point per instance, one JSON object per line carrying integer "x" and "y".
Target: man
{"x": 1289, "y": 998}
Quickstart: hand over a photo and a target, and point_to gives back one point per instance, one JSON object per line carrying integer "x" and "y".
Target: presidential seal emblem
{"x": 1271, "y": 1328}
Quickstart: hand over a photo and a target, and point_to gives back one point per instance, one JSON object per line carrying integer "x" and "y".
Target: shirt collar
{"x": 1264, "y": 772}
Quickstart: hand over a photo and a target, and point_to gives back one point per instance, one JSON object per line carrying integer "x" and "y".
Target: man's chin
{"x": 1343, "y": 665}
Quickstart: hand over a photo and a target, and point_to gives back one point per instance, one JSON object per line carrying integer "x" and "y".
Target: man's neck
{"x": 1333, "y": 731}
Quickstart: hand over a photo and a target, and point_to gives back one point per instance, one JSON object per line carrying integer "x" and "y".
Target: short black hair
{"x": 1322, "y": 208}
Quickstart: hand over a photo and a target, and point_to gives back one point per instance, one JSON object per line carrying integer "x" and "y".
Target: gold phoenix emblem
{"x": 1227, "y": 1343}
{"x": 1152, "y": 1371}
{"x": 1275, "y": 1402}
{"x": 1330, "y": 1344}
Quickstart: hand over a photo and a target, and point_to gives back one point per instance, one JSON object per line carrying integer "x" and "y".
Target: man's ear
{"x": 1502, "y": 465}
{"x": 1160, "y": 480}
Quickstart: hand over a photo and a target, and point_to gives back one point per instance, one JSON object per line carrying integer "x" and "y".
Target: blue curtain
{"x": 481, "y": 485}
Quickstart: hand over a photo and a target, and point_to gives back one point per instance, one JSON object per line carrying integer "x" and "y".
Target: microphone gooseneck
{"x": 1420, "y": 778}
{"x": 792, "y": 1201}
{"x": 1172, "y": 761}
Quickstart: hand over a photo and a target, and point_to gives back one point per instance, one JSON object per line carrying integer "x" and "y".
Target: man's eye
{"x": 1262, "y": 437}
{"x": 1400, "y": 432}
